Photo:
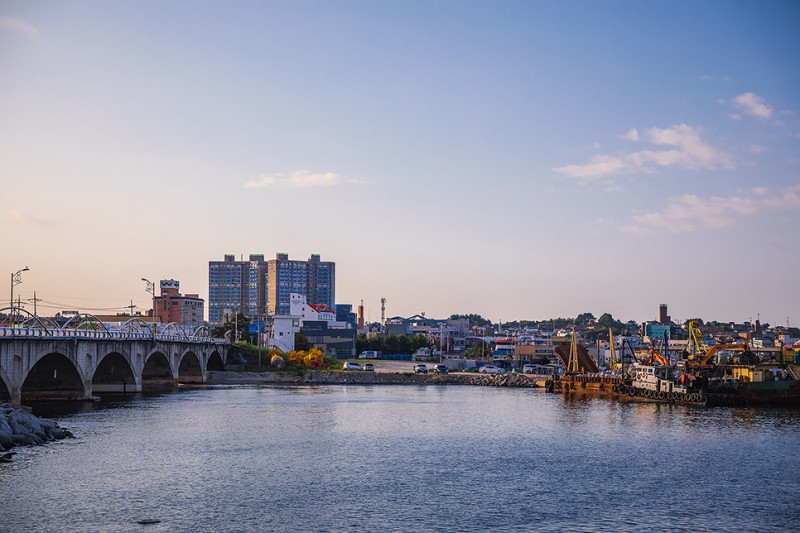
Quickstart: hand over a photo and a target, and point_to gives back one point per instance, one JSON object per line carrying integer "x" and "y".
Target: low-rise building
{"x": 173, "y": 307}
{"x": 338, "y": 341}
{"x": 282, "y": 332}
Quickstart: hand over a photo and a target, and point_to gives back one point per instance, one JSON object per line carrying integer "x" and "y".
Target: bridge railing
{"x": 55, "y": 333}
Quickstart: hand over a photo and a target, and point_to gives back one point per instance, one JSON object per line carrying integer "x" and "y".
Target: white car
{"x": 491, "y": 369}
{"x": 420, "y": 369}
{"x": 351, "y": 366}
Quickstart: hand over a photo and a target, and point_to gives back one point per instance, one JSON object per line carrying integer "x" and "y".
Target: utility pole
{"x": 34, "y": 300}
{"x": 129, "y": 307}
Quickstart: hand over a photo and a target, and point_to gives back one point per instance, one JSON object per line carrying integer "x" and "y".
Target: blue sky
{"x": 520, "y": 160}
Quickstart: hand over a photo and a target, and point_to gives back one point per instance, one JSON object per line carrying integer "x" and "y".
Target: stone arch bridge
{"x": 51, "y": 363}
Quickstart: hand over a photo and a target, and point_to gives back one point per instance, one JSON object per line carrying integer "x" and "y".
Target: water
{"x": 406, "y": 458}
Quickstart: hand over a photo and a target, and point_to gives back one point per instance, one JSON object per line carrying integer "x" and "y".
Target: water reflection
{"x": 405, "y": 459}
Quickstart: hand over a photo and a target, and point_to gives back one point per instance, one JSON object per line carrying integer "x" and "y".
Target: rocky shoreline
{"x": 20, "y": 427}
{"x": 329, "y": 377}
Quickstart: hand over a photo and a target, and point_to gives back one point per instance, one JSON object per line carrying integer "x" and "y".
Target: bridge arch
{"x": 135, "y": 325}
{"x": 54, "y": 376}
{"x": 157, "y": 372}
{"x": 113, "y": 373}
{"x": 174, "y": 329}
{"x": 190, "y": 370}
{"x": 30, "y": 320}
{"x": 215, "y": 362}
{"x": 86, "y": 321}
{"x": 5, "y": 387}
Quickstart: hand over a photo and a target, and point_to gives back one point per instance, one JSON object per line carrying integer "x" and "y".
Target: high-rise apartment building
{"x": 313, "y": 278}
{"x": 236, "y": 287}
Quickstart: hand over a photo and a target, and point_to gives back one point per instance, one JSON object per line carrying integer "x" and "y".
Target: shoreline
{"x": 329, "y": 377}
{"x": 20, "y": 427}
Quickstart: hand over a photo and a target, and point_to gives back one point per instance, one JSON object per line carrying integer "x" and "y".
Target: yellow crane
{"x": 697, "y": 344}
{"x": 572, "y": 365}
{"x": 612, "y": 356}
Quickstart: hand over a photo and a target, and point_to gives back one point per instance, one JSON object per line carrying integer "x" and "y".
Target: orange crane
{"x": 701, "y": 356}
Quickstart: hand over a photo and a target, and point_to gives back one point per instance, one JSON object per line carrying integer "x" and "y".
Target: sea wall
{"x": 328, "y": 377}
{"x": 20, "y": 427}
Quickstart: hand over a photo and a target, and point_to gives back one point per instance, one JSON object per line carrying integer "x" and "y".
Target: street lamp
{"x": 151, "y": 288}
{"x": 16, "y": 279}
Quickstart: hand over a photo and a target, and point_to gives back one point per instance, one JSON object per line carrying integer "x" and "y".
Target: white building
{"x": 281, "y": 334}
{"x": 299, "y": 308}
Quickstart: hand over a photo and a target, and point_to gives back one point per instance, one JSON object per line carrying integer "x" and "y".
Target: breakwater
{"x": 20, "y": 427}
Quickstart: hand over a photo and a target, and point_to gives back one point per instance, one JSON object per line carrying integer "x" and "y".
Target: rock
{"x": 20, "y": 427}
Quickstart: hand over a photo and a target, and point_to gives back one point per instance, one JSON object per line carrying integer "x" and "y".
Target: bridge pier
{"x": 16, "y": 396}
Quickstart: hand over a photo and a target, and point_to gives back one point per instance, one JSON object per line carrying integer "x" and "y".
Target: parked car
{"x": 440, "y": 369}
{"x": 420, "y": 369}
{"x": 369, "y": 354}
{"x": 471, "y": 369}
{"x": 368, "y": 367}
{"x": 528, "y": 369}
{"x": 352, "y": 366}
{"x": 491, "y": 369}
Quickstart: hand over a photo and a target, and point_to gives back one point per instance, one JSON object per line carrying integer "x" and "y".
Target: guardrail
{"x": 40, "y": 333}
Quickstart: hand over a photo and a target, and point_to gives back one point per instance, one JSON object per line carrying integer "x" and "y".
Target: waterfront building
{"x": 337, "y": 341}
{"x": 281, "y": 334}
{"x": 306, "y": 311}
{"x": 172, "y": 306}
{"x": 314, "y": 278}
{"x": 236, "y": 287}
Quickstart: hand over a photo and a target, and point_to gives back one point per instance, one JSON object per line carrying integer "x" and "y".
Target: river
{"x": 405, "y": 458}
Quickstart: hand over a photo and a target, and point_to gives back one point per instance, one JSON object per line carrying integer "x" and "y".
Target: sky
{"x": 518, "y": 160}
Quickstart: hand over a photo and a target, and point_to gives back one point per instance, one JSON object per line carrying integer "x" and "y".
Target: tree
{"x": 301, "y": 342}
{"x": 238, "y": 328}
{"x": 474, "y": 320}
{"x": 584, "y": 319}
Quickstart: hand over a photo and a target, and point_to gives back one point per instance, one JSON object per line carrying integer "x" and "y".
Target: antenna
{"x": 383, "y": 311}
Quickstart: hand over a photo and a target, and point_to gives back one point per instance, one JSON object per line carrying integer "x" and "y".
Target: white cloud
{"x": 694, "y": 152}
{"x": 690, "y": 212}
{"x": 599, "y": 166}
{"x": 300, "y": 179}
{"x": 758, "y": 149}
{"x": 734, "y": 116}
{"x": 687, "y": 150}
{"x": 21, "y": 217}
{"x": 19, "y": 25}
{"x": 752, "y": 104}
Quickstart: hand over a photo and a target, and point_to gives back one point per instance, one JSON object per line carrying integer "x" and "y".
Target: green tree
{"x": 420, "y": 341}
{"x": 301, "y": 342}
{"x": 584, "y": 319}
{"x": 478, "y": 351}
{"x": 238, "y": 328}
{"x": 474, "y": 320}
